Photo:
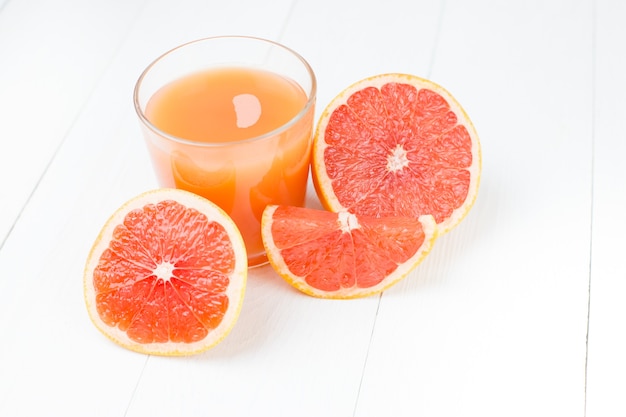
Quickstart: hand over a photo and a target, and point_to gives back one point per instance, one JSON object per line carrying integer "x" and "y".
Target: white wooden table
{"x": 520, "y": 311}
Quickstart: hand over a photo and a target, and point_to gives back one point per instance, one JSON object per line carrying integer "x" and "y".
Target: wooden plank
{"x": 345, "y": 43}
{"x": 607, "y": 333}
{"x": 53, "y": 53}
{"x": 58, "y": 53}
{"x": 494, "y": 322}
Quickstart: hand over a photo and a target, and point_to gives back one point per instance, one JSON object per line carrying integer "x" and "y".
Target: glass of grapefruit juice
{"x": 231, "y": 118}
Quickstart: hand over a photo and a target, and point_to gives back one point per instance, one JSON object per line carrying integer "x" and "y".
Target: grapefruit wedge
{"x": 343, "y": 255}
{"x": 397, "y": 145}
{"x": 167, "y": 274}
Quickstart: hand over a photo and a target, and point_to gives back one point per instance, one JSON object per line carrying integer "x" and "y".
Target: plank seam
{"x": 593, "y": 136}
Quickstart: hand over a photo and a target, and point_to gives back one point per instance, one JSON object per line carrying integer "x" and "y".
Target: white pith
{"x": 164, "y": 271}
{"x": 348, "y": 221}
{"x": 397, "y": 159}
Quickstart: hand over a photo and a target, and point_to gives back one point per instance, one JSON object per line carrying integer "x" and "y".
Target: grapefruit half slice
{"x": 167, "y": 274}
{"x": 397, "y": 145}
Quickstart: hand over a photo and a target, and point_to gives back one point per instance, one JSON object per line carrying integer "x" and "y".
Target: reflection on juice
{"x": 219, "y": 113}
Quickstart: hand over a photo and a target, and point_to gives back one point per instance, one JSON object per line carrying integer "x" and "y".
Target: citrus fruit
{"x": 397, "y": 145}
{"x": 167, "y": 274}
{"x": 343, "y": 255}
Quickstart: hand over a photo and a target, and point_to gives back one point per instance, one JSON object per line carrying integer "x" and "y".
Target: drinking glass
{"x": 247, "y": 169}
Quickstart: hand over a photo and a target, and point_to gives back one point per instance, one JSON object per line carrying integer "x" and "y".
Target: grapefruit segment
{"x": 343, "y": 255}
{"x": 397, "y": 145}
{"x": 167, "y": 274}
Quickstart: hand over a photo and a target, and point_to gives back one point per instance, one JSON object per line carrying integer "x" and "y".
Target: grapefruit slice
{"x": 167, "y": 274}
{"x": 397, "y": 145}
{"x": 343, "y": 255}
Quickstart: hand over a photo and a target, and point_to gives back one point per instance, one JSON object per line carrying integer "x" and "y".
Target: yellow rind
{"x": 239, "y": 276}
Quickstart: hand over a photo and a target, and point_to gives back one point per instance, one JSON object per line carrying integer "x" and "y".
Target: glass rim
{"x": 305, "y": 109}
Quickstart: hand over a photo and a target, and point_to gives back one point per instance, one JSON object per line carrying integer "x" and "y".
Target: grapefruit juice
{"x": 239, "y": 136}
